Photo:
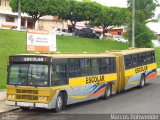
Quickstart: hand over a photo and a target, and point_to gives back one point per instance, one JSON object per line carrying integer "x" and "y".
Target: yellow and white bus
{"x": 56, "y": 80}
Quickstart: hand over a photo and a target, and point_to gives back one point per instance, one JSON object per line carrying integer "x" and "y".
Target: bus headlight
{"x": 11, "y": 97}
{"x": 43, "y": 98}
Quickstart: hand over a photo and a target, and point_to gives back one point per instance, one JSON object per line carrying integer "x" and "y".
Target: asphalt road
{"x": 134, "y": 101}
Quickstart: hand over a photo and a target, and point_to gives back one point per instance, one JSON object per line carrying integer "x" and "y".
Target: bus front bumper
{"x": 28, "y": 104}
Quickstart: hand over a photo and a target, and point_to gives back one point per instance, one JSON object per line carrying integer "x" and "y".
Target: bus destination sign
{"x": 28, "y": 59}
{"x": 34, "y": 59}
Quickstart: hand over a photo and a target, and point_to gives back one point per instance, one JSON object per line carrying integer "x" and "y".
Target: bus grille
{"x": 23, "y": 94}
{"x": 27, "y": 97}
{"x": 27, "y": 91}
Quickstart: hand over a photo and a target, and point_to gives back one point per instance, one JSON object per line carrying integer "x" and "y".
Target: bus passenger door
{"x": 74, "y": 91}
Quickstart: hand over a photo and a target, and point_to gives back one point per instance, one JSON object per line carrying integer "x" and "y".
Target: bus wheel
{"x": 142, "y": 81}
{"x": 59, "y": 103}
{"x": 108, "y": 92}
{"x": 25, "y": 108}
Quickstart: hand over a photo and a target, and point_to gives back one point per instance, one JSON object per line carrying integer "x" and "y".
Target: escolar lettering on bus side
{"x": 94, "y": 79}
{"x": 141, "y": 69}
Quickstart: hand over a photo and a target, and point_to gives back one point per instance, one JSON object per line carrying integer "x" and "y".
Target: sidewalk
{"x": 3, "y": 107}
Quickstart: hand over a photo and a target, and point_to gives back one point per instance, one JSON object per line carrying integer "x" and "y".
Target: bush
{"x": 143, "y": 36}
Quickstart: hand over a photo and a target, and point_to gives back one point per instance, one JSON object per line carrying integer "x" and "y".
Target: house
{"x": 9, "y": 19}
{"x": 112, "y": 31}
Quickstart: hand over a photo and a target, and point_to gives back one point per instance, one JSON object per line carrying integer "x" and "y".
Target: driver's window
{"x": 58, "y": 75}
{"x": 18, "y": 74}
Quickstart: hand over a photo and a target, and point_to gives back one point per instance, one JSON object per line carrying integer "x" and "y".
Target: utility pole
{"x": 19, "y": 16}
{"x": 133, "y": 23}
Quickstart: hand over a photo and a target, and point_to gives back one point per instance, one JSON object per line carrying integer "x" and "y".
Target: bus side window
{"x": 105, "y": 65}
{"x": 149, "y": 57}
{"x": 95, "y": 66}
{"x": 128, "y": 62}
{"x": 85, "y": 65}
{"x": 74, "y": 68}
{"x": 113, "y": 65}
{"x": 142, "y": 59}
{"x": 58, "y": 75}
{"x": 135, "y": 60}
{"x": 153, "y": 57}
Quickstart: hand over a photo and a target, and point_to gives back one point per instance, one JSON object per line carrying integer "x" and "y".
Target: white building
{"x": 9, "y": 19}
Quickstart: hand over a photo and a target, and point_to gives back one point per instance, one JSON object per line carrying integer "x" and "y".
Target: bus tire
{"x": 60, "y": 104}
{"x": 25, "y": 108}
{"x": 108, "y": 92}
{"x": 142, "y": 81}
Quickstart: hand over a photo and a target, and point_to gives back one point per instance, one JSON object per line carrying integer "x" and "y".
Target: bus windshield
{"x": 28, "y": 75}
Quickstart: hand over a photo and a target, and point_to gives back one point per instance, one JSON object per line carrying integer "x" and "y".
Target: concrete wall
{"x": 49, "y": 24}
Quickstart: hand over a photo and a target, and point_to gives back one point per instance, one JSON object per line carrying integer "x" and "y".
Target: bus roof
{"x": 87, "y": 55}
{"x": 92, "y": 55}
{"x": 133, "y": 51}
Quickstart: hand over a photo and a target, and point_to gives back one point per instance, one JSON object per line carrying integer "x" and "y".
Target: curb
{"x": 9, "y": 110}
{"x": 4, "y": 108}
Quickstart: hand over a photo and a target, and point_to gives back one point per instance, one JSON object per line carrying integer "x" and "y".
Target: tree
{"x": 39, "y": 8}
{"x": 144, "y": 12}
{"x": 109, "y": 17}
{"x": 90, "y": 10}
{"x": 34, "y": 8}
{"x": 80, "y": 11}
{"x": 58, "y": 7}
{"x": 143, "y": 35}
{"x": 144, "y": 9}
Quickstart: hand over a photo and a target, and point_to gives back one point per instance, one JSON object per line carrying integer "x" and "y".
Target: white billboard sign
{"x": 41, "y": 41}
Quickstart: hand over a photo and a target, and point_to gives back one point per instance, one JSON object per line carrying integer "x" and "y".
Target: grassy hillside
{"x": 79, "y": 45}
{"x": 13, "y": 42}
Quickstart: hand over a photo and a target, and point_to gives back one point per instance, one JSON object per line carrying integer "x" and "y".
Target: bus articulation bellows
{"x": 56, "y": 80}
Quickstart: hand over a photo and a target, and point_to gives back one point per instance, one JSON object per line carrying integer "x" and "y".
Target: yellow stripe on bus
{"x": 78, "y": 97}
{"x": 136, "y": 70}
{"x": 92, "y": 79}
{"x": 152, "y": 66}
{"x": 133, "y": 83}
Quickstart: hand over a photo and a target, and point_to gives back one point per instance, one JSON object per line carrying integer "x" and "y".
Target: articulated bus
{"x": 53, "y": 81}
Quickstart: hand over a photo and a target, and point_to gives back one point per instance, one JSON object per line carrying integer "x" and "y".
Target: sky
{"x": 123, "y": 3}
{"x": 120, "y": 3}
